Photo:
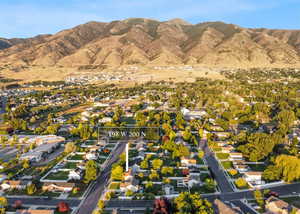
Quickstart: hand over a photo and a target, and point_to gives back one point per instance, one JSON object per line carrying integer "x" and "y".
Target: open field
{"x": 144, "y": 74}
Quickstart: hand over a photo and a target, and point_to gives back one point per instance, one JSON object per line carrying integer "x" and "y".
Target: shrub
{"x": 241, "y": 183}
{"x": 233, "y": 172}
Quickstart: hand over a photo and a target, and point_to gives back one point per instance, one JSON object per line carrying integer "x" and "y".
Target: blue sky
{"x": 26, "y": 18}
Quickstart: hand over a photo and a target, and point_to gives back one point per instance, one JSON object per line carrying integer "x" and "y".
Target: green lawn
{"x": 60, "y": 175}
{"x": 222, "y": 156}
{"x": 216, "y": 149}
{"x": 114, "y": 185}
{"x": 101, "y": 160}
{"x": 70, "y": 165}
{"x": 257, "y": 167}
{"x": 204, "y": 176}
{"x": 75, "y": 157}
{"x": 227, "y": 164}
{"x": 199, "y": 161}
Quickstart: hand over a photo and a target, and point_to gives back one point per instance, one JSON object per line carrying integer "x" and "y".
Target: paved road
{"x": 41, "y": 201}
{"x": 244, "y": 207}
{"x": 3, "y": 105}
{"x": 217, "y": 171}
{"x": 232, "y": 197}
{"x": 90, "y": 202}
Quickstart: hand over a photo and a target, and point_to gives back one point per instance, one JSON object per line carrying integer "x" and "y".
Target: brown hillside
{"x": 150, "y": 42}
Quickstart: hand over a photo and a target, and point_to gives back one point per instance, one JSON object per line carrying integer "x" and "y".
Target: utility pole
{"x": 127, "y": 158}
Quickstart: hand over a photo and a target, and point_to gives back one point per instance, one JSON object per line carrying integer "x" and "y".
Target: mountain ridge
{"x": 150, "y": 42}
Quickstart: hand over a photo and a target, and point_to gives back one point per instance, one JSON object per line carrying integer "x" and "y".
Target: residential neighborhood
{"x": 105, "y": 149}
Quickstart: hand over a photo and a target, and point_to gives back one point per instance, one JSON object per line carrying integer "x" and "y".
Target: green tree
{"x": 241, "y": 183}
{"x": 117, "y": 173}
{"x": 157, "y": 163}
{"x": 90, "y": 171}
{"x": 3, "y": 205}
{"x": 26, "y": 164}
{"x": 31, "y": 189}
{"x": 259, "y": 197}
{"x": 187, "y": 203}
{"x": 70, "y": 147}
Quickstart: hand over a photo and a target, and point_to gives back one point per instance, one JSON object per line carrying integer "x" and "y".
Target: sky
{"x": 28, "y": 18}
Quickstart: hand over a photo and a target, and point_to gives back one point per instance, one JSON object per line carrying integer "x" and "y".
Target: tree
{"x": 3, "y": 205}
{"x": 209, "y": 184}
{"x": 286, "y": 118}
{"x": 3, "y": 202}
{"x": 259, "y": 197}
{"x": 144, "y": 164}
{"x": 101, "y": 204}
{"x": 31, "y": 189}
{"x": 26, "y": 164}
{"x": 289, "y": 167}
{"x": 187, "y": 134}
{"x": 167, "y": 170}
{"x": 90, "y": 171}
{"x": 241, "y": 183}
{"x": 129, "y": 193}
{"x": 232, "y": 172}
{"x": 259, "y": 146}
{"x": 187, "y": 203}
{"x": 272, "y": 173}
{"x": 70, "y": 147}
{"x": 201, "y": 154}
{"x": 154, "y": 175}
{"x": 157, "y": 163}
{"x": 117, "y": 173}
{"x": 63, "y": 207}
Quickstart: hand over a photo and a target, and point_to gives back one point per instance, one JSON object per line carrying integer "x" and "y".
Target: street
{"x": 90, "y": 202}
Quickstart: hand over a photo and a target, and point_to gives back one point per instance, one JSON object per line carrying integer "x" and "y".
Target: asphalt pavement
{"x": 90, "y": 202}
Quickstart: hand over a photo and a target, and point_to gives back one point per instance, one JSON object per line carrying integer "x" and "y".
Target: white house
{"x": 91, "y": 156}
{"x": 124, "y": 187}
{"x": 105, "y": 120}
{"x": 235, "y": 156}
{"x": 75, "y": 174}
{"x": 241, "y": 168}
{"x": 253, "y": 177}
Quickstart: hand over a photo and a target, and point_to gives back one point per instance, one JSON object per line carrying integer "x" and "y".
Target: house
{"x": 239, "y": 162}
{"x": 140, "y": 146}
{"x": 241, "y": 168}
{"x": 235, "y": 156}
{"x": 193, "y": 179}
{"x": 75, "y": 174}
{"x": 169, "y": 189}
{"x": 132, "y": 186}
{"x": 30, "y": 211}
{"x": 222, "y": 134}
{"x": 128, "y": 176}
{"x": 91, "y": 156}
{"x": 253, "y": 177}
{"x": 105, "y": 120}
{"x": 277, "y": 206}
{"x": 14, "y": 184}
{"x": 37, "y": 154}
{"x": 58, "y": 187}
{"x": 188, "y": 162}
{"x": 227, "y": 149}
{"x": 45, "y": 139}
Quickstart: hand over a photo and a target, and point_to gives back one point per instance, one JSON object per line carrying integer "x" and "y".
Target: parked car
{"x": 272, "y": 193}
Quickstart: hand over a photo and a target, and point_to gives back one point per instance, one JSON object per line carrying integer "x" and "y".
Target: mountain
{"x": 150, "y": 42}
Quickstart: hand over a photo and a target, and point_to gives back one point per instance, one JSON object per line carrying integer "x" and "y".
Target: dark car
{"x": 272, "y": 193}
